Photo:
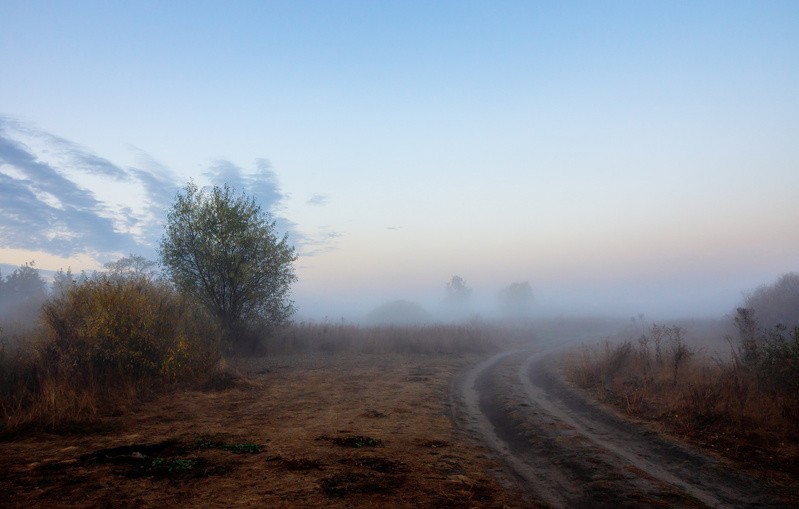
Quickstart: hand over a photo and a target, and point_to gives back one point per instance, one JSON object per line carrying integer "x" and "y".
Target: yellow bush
{"x": 115, "y": 332}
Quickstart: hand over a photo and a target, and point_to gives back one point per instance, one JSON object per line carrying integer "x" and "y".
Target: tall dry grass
{"x": 744, "y": 405}
{"x": 342, "y": 338}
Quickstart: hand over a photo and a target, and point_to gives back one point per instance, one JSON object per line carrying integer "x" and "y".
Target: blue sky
{"x": 626, "y": 157}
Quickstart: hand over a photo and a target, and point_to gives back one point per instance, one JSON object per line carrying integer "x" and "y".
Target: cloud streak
{"x": 48, "y": 203}
{"x": 317, "y": 200}
{"x": 41, "y": 209}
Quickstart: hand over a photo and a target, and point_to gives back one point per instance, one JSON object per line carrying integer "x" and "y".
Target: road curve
{"x": 568, "y": 452}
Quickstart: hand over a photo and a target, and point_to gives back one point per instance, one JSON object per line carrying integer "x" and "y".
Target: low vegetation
{"x": 109, "y": 340}
{"x": 343, "y": 337}
{"x": 744, "y": 405}
{"x": 100, "y": 345}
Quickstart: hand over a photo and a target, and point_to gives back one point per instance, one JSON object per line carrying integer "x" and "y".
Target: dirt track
{"x": 568, "y": 452}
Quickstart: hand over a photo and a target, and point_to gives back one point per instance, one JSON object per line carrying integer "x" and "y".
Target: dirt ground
{"x": 314, "y": 431}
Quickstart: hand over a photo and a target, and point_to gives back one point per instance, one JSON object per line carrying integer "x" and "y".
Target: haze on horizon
{"x": 621, "y": 157}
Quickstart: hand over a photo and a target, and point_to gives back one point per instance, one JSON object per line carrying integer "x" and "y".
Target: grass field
{"x": 288, "y": 430}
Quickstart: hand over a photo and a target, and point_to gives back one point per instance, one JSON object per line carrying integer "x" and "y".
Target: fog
{"x": 657, "y": 300}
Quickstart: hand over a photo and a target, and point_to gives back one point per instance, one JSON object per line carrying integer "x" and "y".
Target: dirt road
{"x": 568, "y": 452}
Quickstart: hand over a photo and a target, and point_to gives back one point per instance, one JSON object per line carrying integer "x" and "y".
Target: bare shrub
{"x": 680, "y": 352}
{"x": 616, "y": 357}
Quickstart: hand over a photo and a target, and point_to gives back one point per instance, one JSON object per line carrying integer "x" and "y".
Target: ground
{"x": 294, "y": 431}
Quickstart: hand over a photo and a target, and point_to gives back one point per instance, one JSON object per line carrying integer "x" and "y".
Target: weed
{"x": 357, "y": 441}
{"x": 173, "y": 464}
{"x": 243, "y": 448}
{"x": 236, "y": 448}
{"x": 204, "y": 443}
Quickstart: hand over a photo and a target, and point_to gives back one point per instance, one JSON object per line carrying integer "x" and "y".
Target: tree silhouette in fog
{"x": 517, "y": 299}
{"x": 21, "y": 295}
{"x": 776, "y": 304}
{"x": 457, "y": 299}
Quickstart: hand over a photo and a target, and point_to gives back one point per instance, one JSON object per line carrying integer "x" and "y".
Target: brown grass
{"x": 714, "y": 402}
{"x": 421, "y": 339}
{"x": 357, "y": 430}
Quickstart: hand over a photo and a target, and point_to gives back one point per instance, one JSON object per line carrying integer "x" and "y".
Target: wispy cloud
{"x": 322, "y": 241}
{"x": 317, "y": 200}
{"x": 54, "y": 198}
{"x": 261, "y": 182}
{"x": 41, "y": 209}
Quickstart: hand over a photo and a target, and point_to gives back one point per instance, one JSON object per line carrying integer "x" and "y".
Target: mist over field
{"x": 620, "y": 158}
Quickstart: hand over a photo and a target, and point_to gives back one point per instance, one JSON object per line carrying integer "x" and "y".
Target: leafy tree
{"x": 24, "y": 283}
{"x": 222, "y": 249}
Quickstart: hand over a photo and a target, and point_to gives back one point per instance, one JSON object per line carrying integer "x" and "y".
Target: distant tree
{"x": 132, "y": 266}
{"x": 517, "y": 299}
{"x": 456, "y": 302}
{"x": 457, "y": 291}
{"x": 222, "y": 249}
{"x": 776, "y": 304}
{"x": 63, "y": 282}
{"x": 22, "y": 294}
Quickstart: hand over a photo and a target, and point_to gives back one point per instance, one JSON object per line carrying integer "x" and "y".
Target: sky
{"x": 622, "y": 157}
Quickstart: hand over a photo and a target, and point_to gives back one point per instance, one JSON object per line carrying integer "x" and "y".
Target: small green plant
{"x": 204, "y": 443}
{"x": 243, "y": 448}
{"x": 357, "y": 441}
{"x": 237, "y": 448}
{"x": 173, "y": 464}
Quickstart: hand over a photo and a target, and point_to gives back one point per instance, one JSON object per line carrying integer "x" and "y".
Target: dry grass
{"x": 353, "y": 430}
{"x": 421, "y": 339}
{"x": 714, "y": 402}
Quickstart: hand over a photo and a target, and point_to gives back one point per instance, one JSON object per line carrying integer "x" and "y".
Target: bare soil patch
{"x": 294, "y": 431}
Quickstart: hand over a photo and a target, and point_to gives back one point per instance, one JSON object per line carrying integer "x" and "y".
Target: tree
{"x": 777, "y": 303}
{"x": 132, "y": 266}
{"x": 455, "y": 305}
{"x": 222, "y": 249}
{"x": 22, "y": 294}
{"x": 457, "y": 291}
{"x": 517, "y": 299}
